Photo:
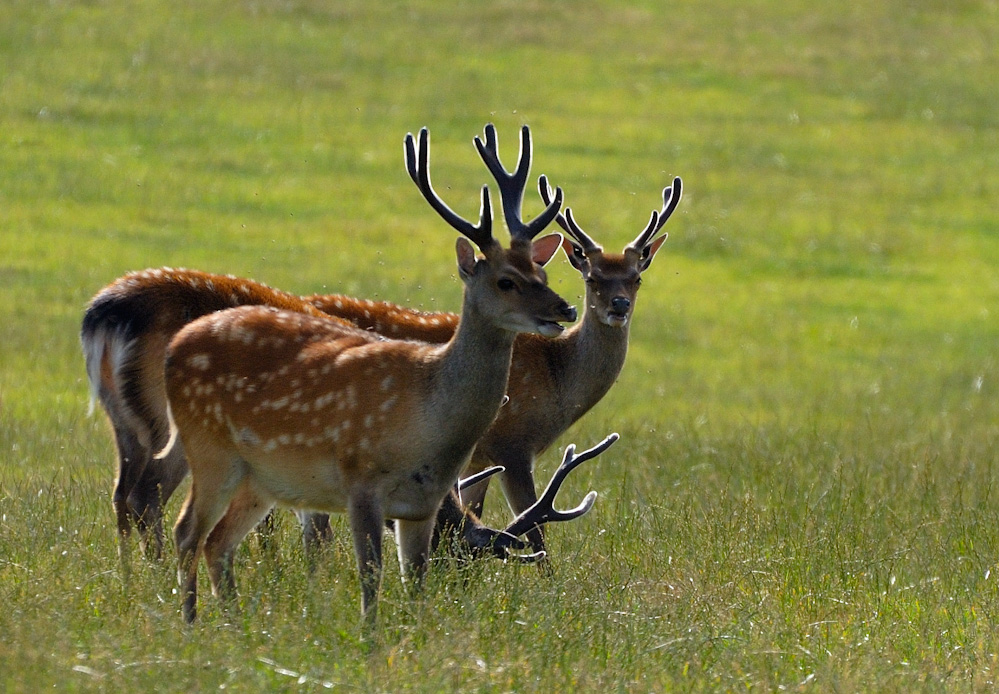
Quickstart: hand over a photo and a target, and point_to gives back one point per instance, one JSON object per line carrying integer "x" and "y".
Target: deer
{"x": 554, "y": 383}
{"x": 135, "y": 317}
{"x": 135, "y": 402}
{"x": 281, "y": 407}
{"x": 125, "y": 332}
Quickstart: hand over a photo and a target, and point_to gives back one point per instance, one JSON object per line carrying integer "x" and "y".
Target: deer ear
{"x": 574, "y": 252}
{"x": 466, "y": 258}
{"x": 649, "y": 252}
{"x": 544, "y": 249}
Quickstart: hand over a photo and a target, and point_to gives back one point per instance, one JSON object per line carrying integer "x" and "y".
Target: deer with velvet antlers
{"x": 274, "y": 406}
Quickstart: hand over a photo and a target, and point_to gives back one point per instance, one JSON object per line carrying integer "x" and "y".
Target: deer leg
{"x": 206, "y": 503}
{"x": 316, "y": 531}
{"x": 267, "y": 534}
{"x": 413, "y": 540}
{"x": 158, "y": 482}
{"x": 132, "y": 459}
{"x": 144, "y": 502}
{"x": 245, "y": 511}
{"x": 367, "y": 520}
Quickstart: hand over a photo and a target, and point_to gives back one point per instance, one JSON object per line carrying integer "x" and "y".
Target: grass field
{"x": 802, "y": 498}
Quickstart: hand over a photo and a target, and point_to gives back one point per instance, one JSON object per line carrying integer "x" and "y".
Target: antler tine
{"x": 418, "y": 166}
{"x": 547, "y": 194}
{"x": 512, "y": 185}
{"x": 671, "y": 198}
{"x": 577, "y": 233}
{"x": 467, "y": 482}
{"x": 566, "y": 221}
{"x": 543, "y": 511}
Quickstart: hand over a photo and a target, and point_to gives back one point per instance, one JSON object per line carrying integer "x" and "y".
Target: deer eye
{"x": 638, "y": 281}
{"x": 505, "y": 284}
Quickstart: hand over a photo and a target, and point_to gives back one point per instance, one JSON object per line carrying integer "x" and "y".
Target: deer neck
{"x": 471, "y": 378}
{"x": 594, "y": 356}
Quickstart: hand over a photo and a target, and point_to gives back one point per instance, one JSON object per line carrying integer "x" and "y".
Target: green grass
{"x": 803, "y": 494}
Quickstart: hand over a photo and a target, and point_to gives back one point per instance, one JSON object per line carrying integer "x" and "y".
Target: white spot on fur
{"x": 388, "y": 404}
{"x": 332, "y": 433}
{"x": 248, "y": 437}
{"x": 202, "y": 362}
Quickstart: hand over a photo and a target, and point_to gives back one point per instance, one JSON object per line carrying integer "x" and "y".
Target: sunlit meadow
{"x": 802, "y": 498}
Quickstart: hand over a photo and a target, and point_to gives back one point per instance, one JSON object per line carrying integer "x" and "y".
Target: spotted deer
{"x": 126, "y": 329}
{"x": 274, "y": 406}
{"x": 553, "y": 383}
{"x": 129, "y": 323}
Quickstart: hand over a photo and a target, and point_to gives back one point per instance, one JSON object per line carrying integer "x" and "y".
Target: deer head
{"x": 612, "y": 279}
{"x": 507, "y": 280}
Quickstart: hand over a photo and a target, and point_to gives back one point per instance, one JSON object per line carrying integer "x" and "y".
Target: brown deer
{"x": 126, "y": 329}
{"x": 273, "y": 406}
{"x": 135, "y": 317}
{"x": 125, "y": 333}
{"x": 555, "y": 382}
{"x": 129, "y": 323}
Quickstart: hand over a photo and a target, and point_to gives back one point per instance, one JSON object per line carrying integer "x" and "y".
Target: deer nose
{"x": 620, "y": 305}
{"x": 569, "y": 312}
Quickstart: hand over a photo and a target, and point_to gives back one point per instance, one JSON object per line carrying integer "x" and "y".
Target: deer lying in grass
{"x": 274, "y": 406}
